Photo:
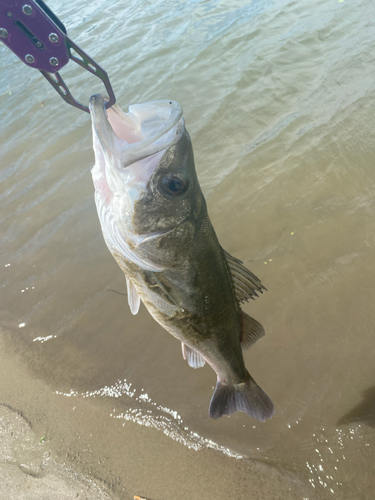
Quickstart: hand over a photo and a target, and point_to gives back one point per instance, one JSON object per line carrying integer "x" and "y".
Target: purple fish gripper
{"x": 37, "y": 36}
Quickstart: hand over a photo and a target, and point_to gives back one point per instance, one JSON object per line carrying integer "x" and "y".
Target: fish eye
{"x": 175, "y": 184}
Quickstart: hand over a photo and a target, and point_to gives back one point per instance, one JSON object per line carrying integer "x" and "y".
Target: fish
{"x": 155, "y": 222}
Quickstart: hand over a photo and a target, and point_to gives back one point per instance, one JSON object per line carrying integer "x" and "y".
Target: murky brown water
{"x": 279, "y": 101}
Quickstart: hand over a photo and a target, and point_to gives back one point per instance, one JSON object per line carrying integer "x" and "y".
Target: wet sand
{"x": 279, "y": 101}
{"x": 85, "y": 455}
{"x": 29, "y": 469}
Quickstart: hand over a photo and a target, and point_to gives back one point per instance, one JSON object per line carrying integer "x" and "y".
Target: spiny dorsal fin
{"x": 246, "y": 284}
{"x": 194, "y": 359}
{"x": 252, "y": 330}
{"x": 134, "y": 299}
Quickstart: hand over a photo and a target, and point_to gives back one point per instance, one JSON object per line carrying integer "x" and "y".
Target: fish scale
{"x": 157, "y": 227}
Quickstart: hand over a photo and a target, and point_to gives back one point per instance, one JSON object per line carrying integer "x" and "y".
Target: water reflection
{"x": 152, "y": 414}
{"x": 279, "y": 101}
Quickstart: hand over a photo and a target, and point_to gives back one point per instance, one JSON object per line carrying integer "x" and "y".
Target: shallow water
{"x": 278, "y": 98}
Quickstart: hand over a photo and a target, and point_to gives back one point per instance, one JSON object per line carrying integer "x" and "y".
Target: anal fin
{"x": 134, "y": 299}
{"x": 252, "y": 330}
{"x": 194, "y": 359}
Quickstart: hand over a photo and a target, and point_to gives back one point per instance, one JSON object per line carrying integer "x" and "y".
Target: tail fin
{"x": 247, "y": 397}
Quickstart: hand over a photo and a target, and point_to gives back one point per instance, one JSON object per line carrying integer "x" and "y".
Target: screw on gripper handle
{"x": 38, "y": 37}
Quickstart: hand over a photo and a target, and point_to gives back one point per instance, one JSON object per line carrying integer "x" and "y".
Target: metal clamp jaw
{"x": 37, "y": 36}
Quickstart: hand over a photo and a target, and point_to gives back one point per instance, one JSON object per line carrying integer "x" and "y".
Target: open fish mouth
{"x": 146, "y": 129}
{"x": 128, "y": 148}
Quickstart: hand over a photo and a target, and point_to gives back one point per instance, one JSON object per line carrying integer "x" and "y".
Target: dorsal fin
{"x": 246, "y": 284}
{"x": 134, "y": 299}
{"x": 194, "y": 359}
{"x": 252, "y": 330}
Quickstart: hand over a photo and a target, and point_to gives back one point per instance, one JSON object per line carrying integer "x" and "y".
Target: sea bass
{"x": 155, "y": 223}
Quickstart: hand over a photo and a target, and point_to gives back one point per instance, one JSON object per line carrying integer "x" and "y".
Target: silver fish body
{"x": 155, "y": 223}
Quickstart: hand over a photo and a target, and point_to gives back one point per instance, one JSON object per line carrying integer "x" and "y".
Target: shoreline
{"x": 86, "y": 449}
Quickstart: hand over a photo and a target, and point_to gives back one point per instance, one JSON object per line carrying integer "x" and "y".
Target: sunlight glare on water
{"x": 278, "y": 98}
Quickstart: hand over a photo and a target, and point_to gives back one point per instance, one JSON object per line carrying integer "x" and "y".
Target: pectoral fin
{"x": 168, "y": 296}
{"x": 252, "y": 330}
{"x": 246, "y": 284}
{"x": 133, "y": 297}
{"x": 194, "y": 359}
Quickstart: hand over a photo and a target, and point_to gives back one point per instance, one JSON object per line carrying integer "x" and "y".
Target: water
{"x": 278, "y": 98}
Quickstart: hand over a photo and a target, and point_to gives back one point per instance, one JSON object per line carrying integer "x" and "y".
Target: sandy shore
{"x": 50, "y": 443}
{"x": 29, "y": 469}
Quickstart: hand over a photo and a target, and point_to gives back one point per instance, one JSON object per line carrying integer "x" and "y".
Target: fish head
{"x": 146, "y": 188}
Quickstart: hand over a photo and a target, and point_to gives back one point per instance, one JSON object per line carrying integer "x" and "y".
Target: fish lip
{"x": 100, "y": 123}
{"x": 132, "y": 152}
